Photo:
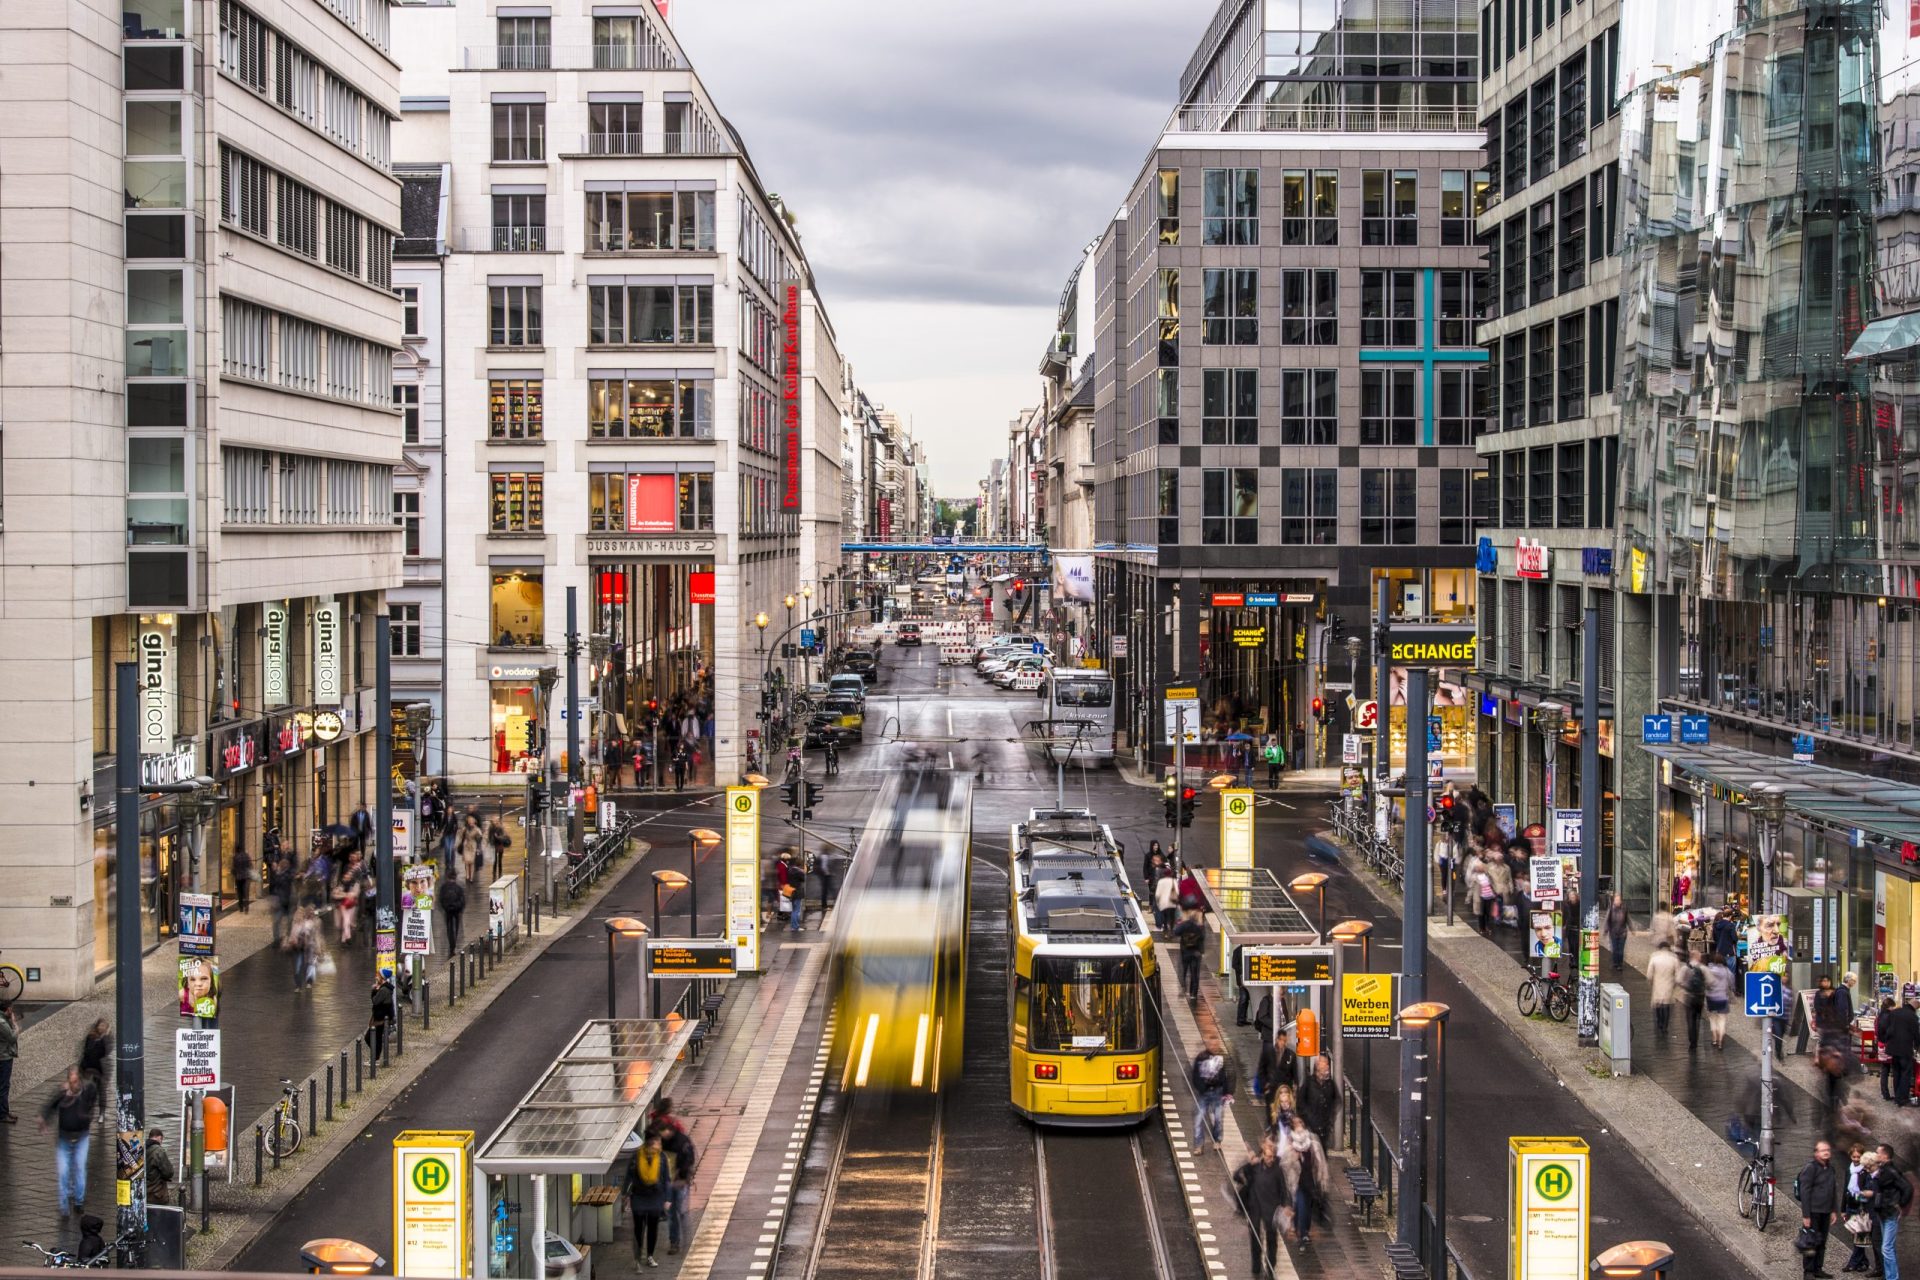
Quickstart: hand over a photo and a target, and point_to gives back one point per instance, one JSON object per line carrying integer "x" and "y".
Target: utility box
{"x": 166, "y": 1237}
{"x": 1616, "y": 1027}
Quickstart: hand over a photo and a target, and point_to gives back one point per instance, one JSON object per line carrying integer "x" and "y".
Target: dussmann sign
{"x": 1431, "y": 646}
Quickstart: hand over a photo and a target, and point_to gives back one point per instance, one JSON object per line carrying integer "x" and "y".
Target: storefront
{"x": 513, "y": 719}
{"x": 654, "y": 598}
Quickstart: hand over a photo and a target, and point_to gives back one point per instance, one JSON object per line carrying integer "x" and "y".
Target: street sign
{"x": 1182, "y": 699}
{"x": 1366, "y": 715}
{"x": 403, "y": 835}
{"x": 807, "y": 637}
{"x": 1544, "y": 879}
{"x": 690, "y": 957}
{"x": 416, "y": 933}
{"x": 1765, "y": 997}
{"x": 1350, "y": 748}
{"x": 432, "y": 1183}
{"x": 1117, "y": 647}
{"x": 1566, "y": 829}
{"x": 1548, "y": 1188}
{"x": 743, "y": 877}
{"x": 1366, "y": 1006}
{"x": 1286, "y": 966}
{"x": 1656, "y": 729}
{"x": 1236, "y": 828}
{"x": 196, "y": 1057}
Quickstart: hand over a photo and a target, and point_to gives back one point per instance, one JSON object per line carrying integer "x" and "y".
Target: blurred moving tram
{"x": 1084, "y": 992}
{"x": 899, "y": 959}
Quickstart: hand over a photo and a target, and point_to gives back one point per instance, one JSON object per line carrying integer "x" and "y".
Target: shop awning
{"x": 1887, "y": 337}
{"x": 589, "y": 1100}
{"x": 1835, "y": 797}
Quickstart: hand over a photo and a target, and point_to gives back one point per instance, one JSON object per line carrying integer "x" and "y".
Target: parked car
{"x": 847, "y": 684}
{"x": 849, "y": 712}
{"x": 1005, "y": 676}
{"x": 861, "y": 662}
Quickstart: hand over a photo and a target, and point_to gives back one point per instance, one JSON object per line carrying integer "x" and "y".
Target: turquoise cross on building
{"x": 1427, "y": 355}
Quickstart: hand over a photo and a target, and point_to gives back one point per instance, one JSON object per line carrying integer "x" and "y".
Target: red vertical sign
{"x": 651, "y": 501}
{"x": 790, "y": 392}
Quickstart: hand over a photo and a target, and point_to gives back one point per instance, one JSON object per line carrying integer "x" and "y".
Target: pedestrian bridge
{"x": 944, "y": 546}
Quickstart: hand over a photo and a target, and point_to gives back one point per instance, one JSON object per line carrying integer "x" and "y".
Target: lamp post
{"x": 1431, "y": 1015}
{"x": 1636, "y": 1260}
{"x": 1349, "y": 932}
{"x": 623, "y": 927}
{"x": 789, "y": 600}
{"x": 807, "y": 610}
{"x": 337, "y": 1256}
{"x": 195, "y": 809}
{"x": 702, "y": 839}
{"x": 663, "y": 880}
{"x": 1768, "y": 805}
{"x": 1314, "y": 882}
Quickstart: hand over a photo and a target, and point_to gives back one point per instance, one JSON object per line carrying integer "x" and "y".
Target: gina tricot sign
{"x": 156, "y": 690}
{"x": 790, "y": 392}
{"x": 326, "y": 653}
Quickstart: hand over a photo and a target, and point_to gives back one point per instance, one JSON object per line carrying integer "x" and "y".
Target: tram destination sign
{"x": 690, "y": 957}
{"x": 1432, "y": 646}
{"x": 1286, "y": 966}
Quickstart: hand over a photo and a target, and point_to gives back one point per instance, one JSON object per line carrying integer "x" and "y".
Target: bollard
{"x": 453, "y": 980}
{"x": 359, "y": 1084}
{"x": 276, "y": 1156}
{"x": 293, "y": 1104}
{"x": 400, "y": 1032}
{"x": 386, "y": 1048}
{"x": 343, "y": 1077}
{"x": 426, "y": 1004}
{"x": 259, "y": 1154}
{"x": 313, "y": 1104}
{"x": 329, "y": 1093}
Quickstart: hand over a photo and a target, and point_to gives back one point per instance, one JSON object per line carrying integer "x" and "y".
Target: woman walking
{"x": 1307, "y": 1172}
{"x": 648, "y": 1189}
{"x": 303, "y": 940}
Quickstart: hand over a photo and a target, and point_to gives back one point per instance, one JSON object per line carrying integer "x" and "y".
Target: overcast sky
{"x": 947, "y": 160}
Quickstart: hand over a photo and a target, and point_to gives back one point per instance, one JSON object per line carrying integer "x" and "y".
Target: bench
{"x": 1405, "y": 1262}
{"x": 1365, "y": 1190}
{"x": 698, "y": 1043}
{"x": 710, "y": 1009}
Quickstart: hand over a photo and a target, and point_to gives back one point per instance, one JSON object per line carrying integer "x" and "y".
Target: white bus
{"x": 1080, "y": 713}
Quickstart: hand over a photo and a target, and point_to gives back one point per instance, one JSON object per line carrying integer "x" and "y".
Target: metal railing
{"x": 598, "y": 855}
{"x": 506, "y": 240}
{"x": 654, "y": 143}
{"x": 567, "y": 57}
{"x": 1381, "y": 1159}
{"x": 1281, "y": 117}
{"x": 1354, "y": 825}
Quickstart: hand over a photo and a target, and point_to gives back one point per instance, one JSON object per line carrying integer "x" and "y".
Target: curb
{"x": 1644, "y": 1116}
{"x": 249, "y": 1210}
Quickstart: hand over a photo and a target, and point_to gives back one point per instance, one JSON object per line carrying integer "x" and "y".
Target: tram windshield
{"x": 1088, "y": 1004}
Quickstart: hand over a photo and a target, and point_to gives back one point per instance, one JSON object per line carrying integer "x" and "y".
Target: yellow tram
{"x": 899, "y": 958}
{"x": 1083, "y": 1000}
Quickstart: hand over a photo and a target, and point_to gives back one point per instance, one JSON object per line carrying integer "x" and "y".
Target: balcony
{"x": 562, "y": 57}
{"x": 1295, "y": 118}
{"x": 506, "y": 240}
{"x": 654, "y": 144}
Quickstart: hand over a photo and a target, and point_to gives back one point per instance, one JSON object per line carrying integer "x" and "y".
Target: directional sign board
{"x": 1287, "y": 966}
{"x": 690, "y": 957}
{"x": 1566, "y": 829}
{"x": 1765, "y": 998}
{"x": 1547, "y": 1184}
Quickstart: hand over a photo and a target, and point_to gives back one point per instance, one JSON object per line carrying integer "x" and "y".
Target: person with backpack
{"x": 451, "y": 898}
{"x": 1693, "y": 995}
{"x": 647, "y": 1191}
{"x": 1891, "y": 1197}
{"x": 1817, "y": 1188}
{"x": 675, "y": 1142}
{"x": 1191, "y": 934}
{"x": 1212, "y": 1077}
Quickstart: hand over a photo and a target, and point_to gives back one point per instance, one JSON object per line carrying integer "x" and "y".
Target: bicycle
{"x": 1541, "y": 990}
{"x": 284, "y": 1136}
{"x": 66, "y": 1259}
{"x": 13, "y": 984}
{"x": 1754, "y": 1197}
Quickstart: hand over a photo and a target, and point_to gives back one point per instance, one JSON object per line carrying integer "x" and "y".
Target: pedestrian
{"x": 1818, "y": 1190}
{"x": 682, "y": 758}
{"x": 451, "y": 898}
{"x": 1190, "y": 888}
{"x": 1617, "y": 925}
{"x": 280, "y": 886}
{"x": 1486, "y": 901}
{"x": 1276, "y": 758}
{"x": 1860, "y": 1166}
{"x": 303, "y": 941}
{"x": 1191, "y": 934}
{"x": 1693, "y": 994}
{"x": 792, "y": 881}
{"x": 1320, "y": 1100}
{"x": 1719, "y": 995}
{"x": 1307, "y": 1172}
{"x": 498, "y": 841}
{"x": 1901, "y": 1040}
{"x": 468, "y": 846}
{"x": 160, "y": 1170}
{"x": 1261, "y": 1187}
{"x": 1663, "y": 973}
{"x": 1212, "y": 1077}
{"x": 1156, "y": 858}
{"x": 1833, "y": 1011}
{"x": 680, "y": 1149}
{"x": 95, "y": 1048}
{"x": 648, "y": 1192}
{"x": 1892, "y": 1195}
{"x": 832, "y": 867}
{"x": 1725, "y": 936}
{"x": 1278, "y": 1066}
{"x": 381, "y": 1014}
{"x": 243, "y": 878}
{"x": 1166, "y": 900}
{"x": 9, "y": 1050}
{"x": 72, "y": 1111}
{"x": 346, "y": 895}
{"x": 1880, "y": 1046}
{"x": 362, "y": 826}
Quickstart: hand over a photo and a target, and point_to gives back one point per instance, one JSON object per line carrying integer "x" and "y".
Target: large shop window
{"x": 517, "y": 502}
{"x": 515, "y": 721}
{"x": 650, "y": 408}
{"x": 650, "y": 502}
{"x": 518, "y": 614}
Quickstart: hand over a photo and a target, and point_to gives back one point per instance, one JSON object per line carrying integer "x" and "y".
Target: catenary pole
{"x": 1589, "y": 992}
{"x": 1413, "y": 959}
{"x": 130, "y": 1063}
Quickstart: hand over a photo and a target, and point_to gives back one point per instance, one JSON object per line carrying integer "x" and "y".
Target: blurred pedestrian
{"x": 1261, "y": 1186}
{"x": 648, "y": 1191}
{"x": 680, "y": 1149}
{"x": 1719, "y": 996}
{"x": 381, "y": 1013}
{"x": 1320, "y": 1100}
{"x": 1307, "y": 1172}
{"x": 1166, "y": 900}
{"x": 71, "y": 1110}
{"x": 1880, "y": 1046}
{"x": 1191, "y": 934}
{"x": 243, "y": 878}
{"x": 451, "y": 898}
{"x": 1617, "y": 925}
{"x": 1818, "y": 1187}
{"x": 1212, "y": 1078}
{"x": 1833, "y": 1011}
{"x": 95, "y": 1048}
{"x": 1663, "y": 974}
{"x": 303, "y": 941}
{"x": 499, "y": 842}
{"x": 1693, "y": 995}
{"x": 9, "y": 1051}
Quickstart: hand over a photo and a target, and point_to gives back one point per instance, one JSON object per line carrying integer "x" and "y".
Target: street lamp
{"x": 1220, "y": 781}
{"x": 1636, "y": 1260}
{"x": 1768, "y": 804}
{"x": 665, "y": 879}
{"x": 1314, "y": 882}
{"x": 702, "y": 838}
{"x": 337, "y": 1256}
{"x": 1432, "y": 1015}
{"x": 622, "y": 927}
{"x": 1348, "y": 932}
{"x": 757, "y": 780}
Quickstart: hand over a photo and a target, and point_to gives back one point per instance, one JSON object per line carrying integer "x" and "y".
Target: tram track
{"x": 1097, "y": 1213}
{"x": 880, "y": 1203}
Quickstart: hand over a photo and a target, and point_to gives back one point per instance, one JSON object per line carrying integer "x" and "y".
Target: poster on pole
{"x": 196, "y": 1057}
{"x": 743, "y": 876}
{"x": 416, "y": 933}
{"x": 1544, "y": 877}
{"x": 195, "y": 924}
{"x": 1182, "y": 711}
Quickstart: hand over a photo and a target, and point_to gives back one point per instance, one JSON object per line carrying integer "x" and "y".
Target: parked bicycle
{"x": 283, "y": 1135}
{"x": 66, "y": 1259}
{"x": 1754, "y": 1198}
{"x": 1544, "y": 990}
{"x": 13, "y": 984}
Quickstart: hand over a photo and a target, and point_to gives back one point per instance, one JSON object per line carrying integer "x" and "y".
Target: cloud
{"x": 946, "y": 161}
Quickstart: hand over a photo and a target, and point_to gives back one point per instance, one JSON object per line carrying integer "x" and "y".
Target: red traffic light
{"x": 1188, "y": 793}
{"x": 1446, "y": 802}
{"x": 1019, "y": 584}
{"x": 1319, "y": 706}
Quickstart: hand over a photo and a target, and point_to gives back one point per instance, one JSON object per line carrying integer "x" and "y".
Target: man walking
{"x": 1891, "y": 1196}
{"x": 72, "y": 1110}
{"x": 1261, "y": 1186}
{"x": 1276, "y": 757}
{"x": 1819, "y": 1190}
{"x": 1663, "y": 973}
{"x": 1903, "y": 1037}
{"x": 452, "y": 901}
{"x": 1212, "y": 1077}
{"x": 1191, "y": 934}
{"x": 1617, "y": 923}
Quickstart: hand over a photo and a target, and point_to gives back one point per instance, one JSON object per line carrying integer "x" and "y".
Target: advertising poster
{"x": 199, "y": 987}
{"x": 1766, "y": 946}
{"x": 194, "y": 925}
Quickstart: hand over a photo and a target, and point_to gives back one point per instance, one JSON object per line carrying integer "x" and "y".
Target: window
{"x": 1167, "y": 298}
{"x": 1389, "y": 206}
{"x": 519, "y": 131}
{"x": 513, "y": 315}
{"x": 1456, "y": 506}
{"x": 1387, "y": 309}
{"x": 1541, "y": 131}
{"x": 1573, "y": 372}
{"x": 1603, "y": 324}
{"x": 1573, "y": 485}
{"x": 1166, "y": 403}
{"x": 516, "y": 503}
{"x": 617, "y": 42}
{"x": 1603, "y": 208}
{"x": 525, "y": 44}
{"x": 650, "y": 408}
{"x": 343, "y": 239}
{"x": 696, "y": 501}
{"x": 299, "y": 354}
{"x": 243, "y": 191}
{"x": 1166, "y": 202}
{"x": 1463, "y": 198}
{"x": 640, "y": 314}
{"x": 407, "y": 396}
{"x": 1513, "y": 489}
{"x": 1310, "y": 506}
{"x": 1230, "y": 506}
{"x": 1388, "y": 409}
{"x": 619, "y": 221}
{"x": 613, "y": 129}
{"x": 1387, "y": 506}
{"x": 406, "y": 514}
{"x": 1603, "y": 464}
{"x": 1540, "y": 252}
{"x": 1540, "y": 488}
{"x": 340, "y": 111}
{"x": 1310, "y": 206}
{"x": 1454, "y": 324}
{"x": 1168, "y": 505}
{"x": 346, "y": 366}
{"x": 379, "y": 256}
{"x": 1230, "y": 206}
{"x": 514, "y": 408}
{"x": 1573, "y": 238}
{"x": 1230, "y": 312}
{"x": 243, "y": 46}
{"x": 1101, "y": 992}
{"x": 1513, "y": 163}
{"x": 1573, "y": 108}
{"x": 248, "y": 476}
{"x": 1308, "y": 305}
{"x": 1513, "y": 256}
{"x": 1461, "y": 396}
{"x": 246, "y": 339}
{"x": 409, "y": 295}
{"x": 1540, "y": 376}
{"x": 403, "y": 625}
{"x": 517, "y": 610}
{"x": 297, "y": 218}
{"x": 519, "y": 223}
{"x": 1309, "y": 406}
{"x": 679, "y": 138}
{"x": 1229, "y": 409}
{"x": 1513, "y": 383}
{"x": 299, "y": 490}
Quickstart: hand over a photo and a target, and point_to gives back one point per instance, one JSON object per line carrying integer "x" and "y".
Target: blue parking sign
{"x": 1765, "y": 998}
{"x": 806, "y": 637}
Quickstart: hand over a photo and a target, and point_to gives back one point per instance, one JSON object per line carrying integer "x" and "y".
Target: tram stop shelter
{"x": 1255, "y": 910}
{"x": 576, "y": 1123}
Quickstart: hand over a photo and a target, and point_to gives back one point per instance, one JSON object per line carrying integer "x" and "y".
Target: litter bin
{"x": 1616, "y": 1027}
{"x": 166, "y": 1247}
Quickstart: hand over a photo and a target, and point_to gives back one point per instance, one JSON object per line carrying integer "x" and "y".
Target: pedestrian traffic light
{"x": 1320, "y": 710}
{"x": 1187, "y": 798}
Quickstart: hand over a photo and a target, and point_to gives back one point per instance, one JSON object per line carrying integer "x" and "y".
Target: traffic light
{"x": 1187, "y": 797}
{"x": 788, "y": 791}
{"x": 1170, "y": 799}
{"x": 1319, "y": 707}
{"x": 1019, "y": 585}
